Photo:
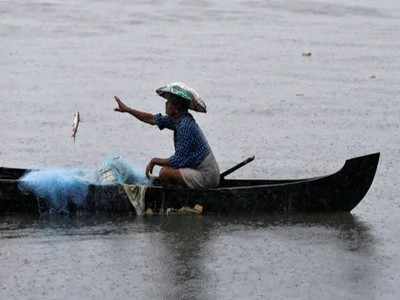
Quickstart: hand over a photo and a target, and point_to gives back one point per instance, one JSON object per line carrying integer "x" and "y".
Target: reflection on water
{"x": 186, "y": 256}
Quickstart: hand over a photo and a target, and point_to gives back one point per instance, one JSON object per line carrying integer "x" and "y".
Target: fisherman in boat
{"x": 193, "y": 164}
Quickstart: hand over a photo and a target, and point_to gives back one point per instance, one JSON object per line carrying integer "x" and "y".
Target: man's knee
{"x": 165, "y": 175}
{"x": 161, "y": 175}
{"x": 170, "y": 176}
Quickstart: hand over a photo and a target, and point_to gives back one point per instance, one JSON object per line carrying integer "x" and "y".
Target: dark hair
{"x": 181, "y": 104}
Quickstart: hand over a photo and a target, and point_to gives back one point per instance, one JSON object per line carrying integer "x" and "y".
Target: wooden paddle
{"x": 238, "y": 166}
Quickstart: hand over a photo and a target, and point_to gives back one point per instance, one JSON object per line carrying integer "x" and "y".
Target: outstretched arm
{"x": 140, "y": 115}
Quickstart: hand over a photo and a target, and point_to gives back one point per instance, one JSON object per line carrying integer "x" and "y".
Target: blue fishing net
{"x": 63, "y": 187}
{"x": 116, "y": 170}
{"x": 59, "y": 187}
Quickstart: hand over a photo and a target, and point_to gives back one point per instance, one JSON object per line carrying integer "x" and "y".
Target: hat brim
{"x": 193, "y": 103}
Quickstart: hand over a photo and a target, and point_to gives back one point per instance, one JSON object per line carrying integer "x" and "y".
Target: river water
{"x": 301, "y": 116}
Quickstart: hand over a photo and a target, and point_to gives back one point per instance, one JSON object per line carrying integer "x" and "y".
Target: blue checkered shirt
{"x": 191, "y": 146}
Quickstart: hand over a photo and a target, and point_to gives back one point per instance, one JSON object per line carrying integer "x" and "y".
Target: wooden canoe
{"x": 341, "y": 191}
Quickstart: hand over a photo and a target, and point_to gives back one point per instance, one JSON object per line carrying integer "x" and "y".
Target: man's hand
{"x": 122, "y": 107}
{"x": 141, "y": 115}
{"x": 150, "y": 167}
{"x": 162, "y": 162}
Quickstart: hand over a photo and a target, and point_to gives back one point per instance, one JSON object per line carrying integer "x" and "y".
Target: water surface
{"x": 301, "y": 117}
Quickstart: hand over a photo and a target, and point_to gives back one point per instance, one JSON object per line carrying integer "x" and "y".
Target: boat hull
{"x": 341, "y": 191}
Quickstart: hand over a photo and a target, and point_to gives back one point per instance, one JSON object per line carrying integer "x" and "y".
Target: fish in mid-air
{"x": 75, "y": 125}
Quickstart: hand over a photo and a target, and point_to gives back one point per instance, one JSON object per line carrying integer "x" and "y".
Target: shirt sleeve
{"x": 183, "y": 148}
{"x": 164, "y": 122}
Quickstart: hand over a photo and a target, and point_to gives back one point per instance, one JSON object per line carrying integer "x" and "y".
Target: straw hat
{"x": 186, "y": 93}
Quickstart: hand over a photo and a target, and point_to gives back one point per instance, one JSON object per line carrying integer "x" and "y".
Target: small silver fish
{"x": 75, "y": 125}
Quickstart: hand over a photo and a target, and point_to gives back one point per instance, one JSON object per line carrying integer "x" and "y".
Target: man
{"x": 193, "y": 165}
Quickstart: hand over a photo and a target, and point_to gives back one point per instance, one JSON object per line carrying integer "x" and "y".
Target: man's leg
{"x": 170, "y": 176}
